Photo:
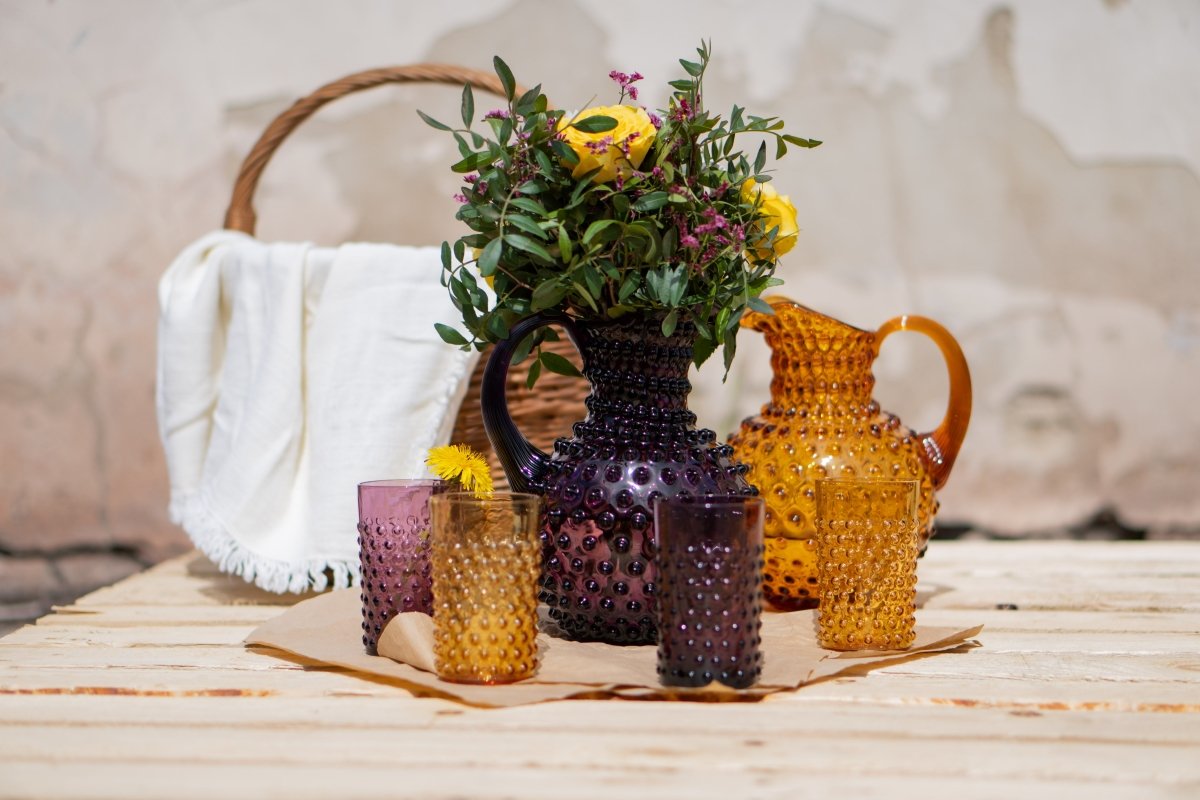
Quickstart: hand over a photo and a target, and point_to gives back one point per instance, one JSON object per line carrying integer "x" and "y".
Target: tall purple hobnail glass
{"x": 638, "y": 443}
{"x": 394, "y": 548}
{"x": 710, "y": 566}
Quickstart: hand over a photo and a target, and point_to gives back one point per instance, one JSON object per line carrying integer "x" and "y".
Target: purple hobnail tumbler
{"x": 710, "y": 590}
{"x": 393, "y": 548}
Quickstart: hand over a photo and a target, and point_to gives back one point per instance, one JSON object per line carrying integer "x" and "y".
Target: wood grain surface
{"x": 1087, "y": 685}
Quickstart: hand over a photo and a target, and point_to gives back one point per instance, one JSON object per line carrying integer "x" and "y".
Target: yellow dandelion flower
{"x": 457, "y": 462}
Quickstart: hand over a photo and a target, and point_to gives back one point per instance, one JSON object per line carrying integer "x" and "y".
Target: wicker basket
{"x": 542, "y": 415}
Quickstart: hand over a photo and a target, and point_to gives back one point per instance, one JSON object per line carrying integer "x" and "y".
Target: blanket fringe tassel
{"x": 272, "y": 575}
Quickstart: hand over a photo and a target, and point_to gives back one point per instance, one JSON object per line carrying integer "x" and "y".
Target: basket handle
{"x": 240, "y": 215}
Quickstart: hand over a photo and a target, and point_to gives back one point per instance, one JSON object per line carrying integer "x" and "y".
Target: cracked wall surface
{"x": 1027, "y": 173}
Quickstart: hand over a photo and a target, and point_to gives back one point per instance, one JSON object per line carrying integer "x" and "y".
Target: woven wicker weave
{"x": 542, "y": 415}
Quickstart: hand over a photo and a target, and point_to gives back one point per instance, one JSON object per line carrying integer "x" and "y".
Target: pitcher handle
{"x": 523, "y": 463}
{"x": 940, "y": 447}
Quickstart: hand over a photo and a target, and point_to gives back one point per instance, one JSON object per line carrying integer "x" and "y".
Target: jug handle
{"x": 940, "y": 447}
{"x": 523, "y": 463}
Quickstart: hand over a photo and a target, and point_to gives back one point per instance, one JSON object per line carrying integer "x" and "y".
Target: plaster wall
{"x": 1028, "y": 173}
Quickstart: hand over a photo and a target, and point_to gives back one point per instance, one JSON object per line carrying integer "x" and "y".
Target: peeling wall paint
{"x": 1028, "y": 173}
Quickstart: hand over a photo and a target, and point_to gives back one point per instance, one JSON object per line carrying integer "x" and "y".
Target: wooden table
{"x": 1087, "y": 685}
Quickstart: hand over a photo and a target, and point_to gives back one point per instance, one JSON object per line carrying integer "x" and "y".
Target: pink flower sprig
{"x": 626, "y": 83}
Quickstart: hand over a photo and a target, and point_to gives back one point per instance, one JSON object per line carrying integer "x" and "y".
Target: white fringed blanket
{"x": 287, "y": 374}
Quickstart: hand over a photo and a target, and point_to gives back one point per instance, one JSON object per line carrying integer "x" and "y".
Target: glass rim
{"x": 514, "y": 498}
{"x": 873, "y": 482}
{"x": 400, "y": 483}
{"x": 710, "y": 500}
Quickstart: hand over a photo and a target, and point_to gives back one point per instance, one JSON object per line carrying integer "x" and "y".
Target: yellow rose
{"x": 777, "y": 211}
{"x": 634, "y": 134}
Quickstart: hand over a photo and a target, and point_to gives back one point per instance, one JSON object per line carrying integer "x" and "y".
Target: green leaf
{"x": 584, "y": 186}
{"x": 497, "y": 327}
{"x": 670, "y": 241}
{"x": 760, "y": 160}
{"x": 583, "y": 292}
{"x": 473, "y": 162}
{"x": 449, "y": 335}
{"x": 560, "y": 366}
{"x": 547, "y": 295}
{"x": 669, "y": 322}
{"x": 729, "y": 340}
{"x": 490, "y": 257}
{"x": 595, "y": 228}
{"x": 629, "y": 285}
{"x": 535, "y": 369}
{"x": 691, "y": 68}
{"x": 521, "y": 351}
{"x": 722, "y": 319}
{"x": 459, "y": 294}
{"x": 593, "y": 279}
{"x": 800, "y": 141}
{"x": 526, "y": 224}
{"x": 703, "y": 348}
{"x": 433, "y": 123}
{"x": 761, "y": 306}
{"x": 463, "y": 149}
{"x": 780, "y": 149}
{"x": 620, "y": 206}
{"x": 595, "y": 124}
{"x": 506, "y": 77}
{"x": 526, "y": 103}
{"x": 729, "y": 143}
{"x": 445, "y": 256}
{"x": 522, "y": 242}
{"x": 544, "y": 163}
{"x": 530, "y": 205}
{"x": 564, "y": 151}
{"x": 479, "y": 298}
{"x": 651, "y": 201}
{"x": 468, "y": 106}
{"x": 564, "y": 244}
{"x": 681, "y": 85}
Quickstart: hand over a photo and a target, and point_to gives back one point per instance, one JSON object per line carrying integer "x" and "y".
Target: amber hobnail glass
{"x": 710, "y": 596}
{"x": 393, "y": 549}
{"x": 867, "y": 543}
{"x": 822, "y": 422}
{"x": 486, "y": 562}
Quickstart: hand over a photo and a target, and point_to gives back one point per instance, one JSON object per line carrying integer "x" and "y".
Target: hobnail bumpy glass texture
{"x": 638, "y": 443}
{"x": 820, "y": 423}
{"x": 867, "y": 545}
{"x": 393, "y": 548}
{"x": 710, "y": 605}
{"x": 486, "y": 562}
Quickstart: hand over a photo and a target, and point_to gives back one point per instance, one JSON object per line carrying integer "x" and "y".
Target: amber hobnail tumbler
{"x": 486, "y": 563}
{"x": 868, "y": 535}
{"x": 710, "y": 563}
{"x": 393, "y": 550}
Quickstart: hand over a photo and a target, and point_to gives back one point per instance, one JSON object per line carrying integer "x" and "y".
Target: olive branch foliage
{"x": 549, "y": 241}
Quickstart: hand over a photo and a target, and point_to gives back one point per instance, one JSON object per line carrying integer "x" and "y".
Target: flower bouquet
{"x": 613, "y": 210}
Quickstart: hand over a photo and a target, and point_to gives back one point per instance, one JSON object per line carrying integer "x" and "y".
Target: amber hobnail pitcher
{"x": 822, "y": 422}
